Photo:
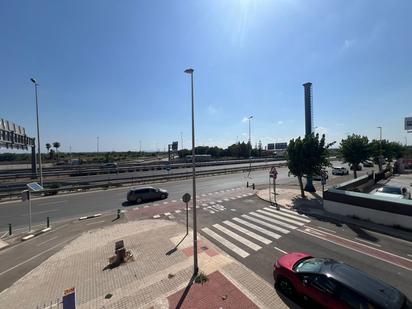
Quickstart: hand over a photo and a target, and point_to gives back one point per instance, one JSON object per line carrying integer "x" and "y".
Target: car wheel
{"x": 139, "y": 200}
{"x": 162, "y": 196}
{"x": 285, "y": 286}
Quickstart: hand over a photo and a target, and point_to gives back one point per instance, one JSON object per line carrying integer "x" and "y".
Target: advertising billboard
{"x": 281, "y": 146}
{"x": 271, "y": 146}
{"x": 408, "y": 123}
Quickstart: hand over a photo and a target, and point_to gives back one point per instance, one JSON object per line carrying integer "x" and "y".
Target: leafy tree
{"x": 307, "y": 156}
{"x": 355, "y": 149}
{"x": 56, "y": 145}
{"x": 48, "y": 146}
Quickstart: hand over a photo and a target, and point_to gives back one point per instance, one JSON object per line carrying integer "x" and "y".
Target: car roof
{"x": 374, "y": 289}
{"x": 140, "y": 188}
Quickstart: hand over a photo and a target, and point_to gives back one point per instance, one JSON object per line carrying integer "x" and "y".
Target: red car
{"x": 333, "y": 284}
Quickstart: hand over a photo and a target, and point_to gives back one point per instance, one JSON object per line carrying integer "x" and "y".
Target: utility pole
{"x": 97, "y": 146}
{"x": 250, "y": 149}
{"x": 38, "y": 130}
{"x": 380, "y": 149}
{"x": 181, "y": 140}
{"x": 195, "y": 261}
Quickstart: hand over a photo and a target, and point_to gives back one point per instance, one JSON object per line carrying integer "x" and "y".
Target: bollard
{"x": 118, "y": 214}
{"x": 48, "y": 222}
{"x": 247, "y": 184}
{"x": 253, "y": 186}
{"x": 10, "y": 229}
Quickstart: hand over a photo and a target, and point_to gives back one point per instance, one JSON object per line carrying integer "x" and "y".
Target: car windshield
{"x": 312, "y": 265}
{"x": 390, "y": 190}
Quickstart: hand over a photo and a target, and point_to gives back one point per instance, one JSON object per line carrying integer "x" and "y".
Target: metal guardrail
{"x": 106, "y": 183}
{"x": 97, "y": 170}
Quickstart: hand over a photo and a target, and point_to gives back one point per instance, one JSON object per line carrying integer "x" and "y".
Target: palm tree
{"x": 48, "y": 146}
{"x": 56, "y": 145}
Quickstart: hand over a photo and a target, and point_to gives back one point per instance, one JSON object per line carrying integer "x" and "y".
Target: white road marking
{"x": 146, "y": 206}
{"x": 285, "y": 217}
{"x": 238, "y": 196}
{"x": 225, "y": 242}
{"x": 51, "y": 203}
{"x": 257, "y": 228}
{"x": 156, "y": 204}
{"x": 164, "y": 203}
{"x": 273, "y": 227}
{"x": 219, "y": 201}
{"x": 280, "y": 250}
{"x": 323, "y": 237}
{"x": 212, "y": 212}
{"x": 46, "y": 241}
{"x": 167, "y": 213}
{"x": 178, "y": 211}
{"x": 95, "y": 222}
{"x": 204, "y": 205}
{"x": 232, "y": 209}
{"x": 212, "y": 203}
{"x": 265, "y": 214}
{"x": 233, "y": 198}
{"x": 290, "y": 212}
{"x": 203, "y": 194}
{"x": 226, "y": 199}
{"x": 171, "y": 217}
{"x": 368, "y": 242}
{"x": 324, "y": 228}
{"x": 35, "y": 256}
{"x": 239, "y": 238}
{"x": 247, "y": 232}
{"x": 174, "y": 201}
{"x": 156, "y": 216}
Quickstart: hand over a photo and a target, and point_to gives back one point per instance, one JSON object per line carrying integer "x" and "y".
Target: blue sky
{"x": 114, "y": 69}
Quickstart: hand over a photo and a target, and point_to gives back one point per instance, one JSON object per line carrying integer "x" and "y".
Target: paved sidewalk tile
{"x": 217, "y": 292}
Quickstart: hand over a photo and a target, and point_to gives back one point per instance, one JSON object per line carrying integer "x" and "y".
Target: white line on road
{"x": 174, "y": 201}
{"x": 324, "y": 228}
{"x": 101, "y": 221}
{"x": 289, "y": 226}
{"x": 290, "y": 212}
{"x": 368, "y": 242}
{"x": 409, "y": 255}
{"x": 51, "y": 203}
{"x": 283, "y": 251}
{"x": 239, "y": 238}
{"x": 41, "y": 212}
{"x": 225, "y": 242}
{"x": 177, "y": 211}
{"x": 257, "y": 228}
{"x": 283, "y": 214}
{"x": 247, "y": 232}
{"x": 273, "y": 227}
{"x": 46, "y": 241}
{"x": 35, "y": 256}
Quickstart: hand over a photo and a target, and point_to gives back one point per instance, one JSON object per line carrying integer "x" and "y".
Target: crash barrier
{"x": 107, "y": 183}
{"x": 378, "y": 209}
{"x": 99, "y": 169}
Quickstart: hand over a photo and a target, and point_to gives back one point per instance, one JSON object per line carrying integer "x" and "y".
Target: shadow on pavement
{"x": 170, "y": 252}
{"x": 127, "y": 204}
{"x": 185, "y": 292}
{"x": 361, "y": 232}
{"x": 295, "y": 303}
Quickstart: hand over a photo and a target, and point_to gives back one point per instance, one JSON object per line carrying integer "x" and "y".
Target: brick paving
{"x": 217, "y": 292}
{"x": 150, "y": 281}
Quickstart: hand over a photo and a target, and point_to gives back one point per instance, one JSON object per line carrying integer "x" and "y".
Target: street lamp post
{"x": 38, "y": 129}
{"x": 250, "y": 149}
{"x": 97, "y": 144}
{"x": 195, "y": 262}
{"x": 380, "y": 148}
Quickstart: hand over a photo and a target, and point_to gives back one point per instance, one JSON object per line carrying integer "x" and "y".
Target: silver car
{"x": 139, "y": 195}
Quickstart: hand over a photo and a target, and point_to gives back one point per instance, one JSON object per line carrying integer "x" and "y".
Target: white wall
{"x": 377, "y": 216}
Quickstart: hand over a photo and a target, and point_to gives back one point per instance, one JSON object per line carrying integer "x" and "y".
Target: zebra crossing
{"x": 247, "y": 233}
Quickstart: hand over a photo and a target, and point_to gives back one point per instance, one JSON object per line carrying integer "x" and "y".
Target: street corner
{"x": 290, "y": 197}
{"x": 215, "y": 291}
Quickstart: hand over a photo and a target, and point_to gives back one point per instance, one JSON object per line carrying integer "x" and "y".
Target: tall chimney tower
{"x": 308, "y": 108}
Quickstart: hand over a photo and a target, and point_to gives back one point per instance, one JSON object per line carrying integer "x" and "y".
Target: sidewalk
{"x": 159, "y": 277}
{"x": 312, "y": 206}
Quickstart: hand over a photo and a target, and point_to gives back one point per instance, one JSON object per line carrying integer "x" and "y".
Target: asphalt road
{"x": 381, "y": 256}
{"x": 75, "y": 205}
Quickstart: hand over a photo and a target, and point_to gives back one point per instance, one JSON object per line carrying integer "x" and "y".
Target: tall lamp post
{"x": 38, "y": 129}
{"x": 195, "y": 263}
{"x": 250, "y": 149}
{"x": 380, "y": 148}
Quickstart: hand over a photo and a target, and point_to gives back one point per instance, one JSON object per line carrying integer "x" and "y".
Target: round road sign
{"x": 186, "y": 197}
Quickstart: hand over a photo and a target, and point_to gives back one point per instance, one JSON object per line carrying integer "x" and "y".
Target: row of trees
{"x": 309, "y": 155}
{"x": 51, "y": 152}
{"x": 356, "y": 149}
{"x": 238, "y": 150}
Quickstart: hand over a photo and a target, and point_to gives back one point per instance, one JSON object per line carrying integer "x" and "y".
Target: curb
{"x": 37, "y": 233}
{"x": 89, "y": 217}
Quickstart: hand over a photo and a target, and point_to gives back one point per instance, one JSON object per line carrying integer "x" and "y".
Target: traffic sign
{"x": 186, "y": 197}
{"x": 273, "y": 172}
